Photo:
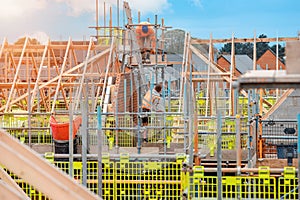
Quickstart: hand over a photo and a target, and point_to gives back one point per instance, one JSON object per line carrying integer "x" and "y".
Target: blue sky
{"x": 61, "y": 19}
{"x": 241, "y": 17}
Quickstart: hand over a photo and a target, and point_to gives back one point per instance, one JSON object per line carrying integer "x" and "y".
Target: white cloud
{"x": 57, "y": 17}
{"x": 16, "y": 8}
{"x": 196, "y": 2}
{"x": 78, "y": 7}
{"x": 153, "y": 6}
{"x": 40, "y": 36}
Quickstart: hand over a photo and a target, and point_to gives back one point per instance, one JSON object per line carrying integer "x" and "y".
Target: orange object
{"x": 60, "y": 131}
{"x": 145, "y": 36}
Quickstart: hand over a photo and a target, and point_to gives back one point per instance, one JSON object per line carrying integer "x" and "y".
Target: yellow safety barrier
{"x": 234, "y": 187}
{"x": 125, "y": 138}
{"x": 287, "y": 185}
{"x": 49, "y": 156}
{"x": 17, "y": 125}
{"x": 148, "y": 180}
{"x": 173, "y": 180}
{"x": 107, "y": 33}
{"x": 204, "y": 187}
{"x": 230, "y": 187}
{"x": 199, "y": 183}
{"x": 258, "y": 187}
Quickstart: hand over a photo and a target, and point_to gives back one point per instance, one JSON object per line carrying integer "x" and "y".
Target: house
{"x": 243, "y": 63}
{"x": 268, "y": 61}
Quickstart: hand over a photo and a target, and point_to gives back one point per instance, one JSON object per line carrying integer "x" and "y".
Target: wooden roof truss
{"x": 36, "y": 75}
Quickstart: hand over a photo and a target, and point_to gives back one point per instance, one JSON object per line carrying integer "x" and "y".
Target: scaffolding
{"x": 208, "y": 123}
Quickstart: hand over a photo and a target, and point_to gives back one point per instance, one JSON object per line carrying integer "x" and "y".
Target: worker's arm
{"x": 138, "y": 33}
{"x": 153, "y": 42}
{"x": 158, "y": 105}
{"x": 139, "y": 38}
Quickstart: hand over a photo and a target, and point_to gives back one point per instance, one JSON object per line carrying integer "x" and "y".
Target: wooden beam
{"x": 210, "y": 89}
{"x": 4, "y": 177}
{"x": 24, "y": 85}
{"x": 254, "y": 52}
{"x": 4, "y": 43}
{"x": 83, "y": 75}
{"x": 211, "y": 74}
{"x": 62, "y": 69}
{"x": 184, "y": 64}
{"x": 10, "y": 96}
{"x": 8, "y": 192}
{"x": 232, "y": 74}
{"x": 210, "y": 79}
{"x": 54, "y": 81}
{"x": 278, "y": 103}
{"x": 128, "y": 12}
{"x": 34, "y": 92}
{"x": 244, "y": 40}
{"x": 38, "y": 172}
{"x": 217, "y": 70}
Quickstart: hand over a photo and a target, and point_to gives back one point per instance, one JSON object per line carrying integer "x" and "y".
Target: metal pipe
{"x": 117, "y": 156}
{"x": 118, "y": 15}
{"x": 156, "y": 70}
{"x": 142, "y": 157}
{"x": 249, "y": 128}
{"x": 191, "y": 110}
{"x": 244, "y": 170}
{"x": 139, "y": 144}
{"x": 29, "y": 115}
{"x": 99, "y": 156}
{"x": 238, "y": 143}
{"x": 117, "y": 124}
{"x": 298, "y": 151}
{"x": 104, "y": 17}
{"x": 255, "y": 132}
{"x": 281, "y": 120}
{"x": 157, "y": 113}
{"x": 84, "y": 132}
{"x": 71, "y": 139}
{"x": 110, "y": 21}
{"x": 97, "y": 22}
{"x": 219, "y": 154}
{"x": 185, "y": 105}
{"x": 169, "y": 94}
{"x": 136, "y": 128}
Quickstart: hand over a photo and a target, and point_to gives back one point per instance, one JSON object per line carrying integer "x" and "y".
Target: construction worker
{"x": 145, "y": 36}
{"x": 151, "y": 102}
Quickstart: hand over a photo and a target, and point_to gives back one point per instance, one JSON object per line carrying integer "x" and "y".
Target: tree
{"x": 174, "y": 41}
{"x": 226, "y": 49}
{"x": 240, "y": 48}
{"x": 261, "y": 47}
{"x": 247, "y": 48}
{"x": 281, "y": 51}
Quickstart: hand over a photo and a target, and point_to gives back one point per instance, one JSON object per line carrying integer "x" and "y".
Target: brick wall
{"x": 130, "y": 101}
{"x": 226, "y": 66}
{"x": 268, "y": 61}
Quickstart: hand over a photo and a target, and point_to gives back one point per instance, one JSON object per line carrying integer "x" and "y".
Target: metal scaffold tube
{"x": 211, "y": 140}
{"x": 71, "y": 144}
{"x": 219, "y": 154}
{"x": 99, "y": 155}
{"x": 298, "y": 152}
